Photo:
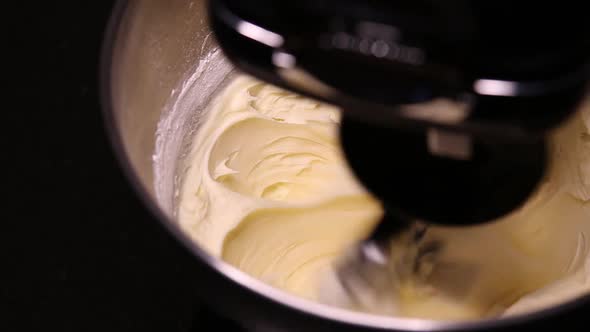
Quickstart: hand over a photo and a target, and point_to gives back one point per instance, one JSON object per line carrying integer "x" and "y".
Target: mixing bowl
{"x": 161, "y": 66}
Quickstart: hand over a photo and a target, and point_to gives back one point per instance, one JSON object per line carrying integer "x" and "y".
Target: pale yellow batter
{"x": 267, "y": 190}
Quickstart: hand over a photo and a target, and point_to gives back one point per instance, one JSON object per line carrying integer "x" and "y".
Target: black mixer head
{"x": 447, "y": 103}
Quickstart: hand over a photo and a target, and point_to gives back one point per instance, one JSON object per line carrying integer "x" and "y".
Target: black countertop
{"x": 80, "y": 252}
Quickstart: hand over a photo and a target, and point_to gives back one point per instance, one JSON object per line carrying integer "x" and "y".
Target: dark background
{"x": 79, "y": 252}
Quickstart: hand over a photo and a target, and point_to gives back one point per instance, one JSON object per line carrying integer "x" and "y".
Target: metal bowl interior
{"x": 161, "y": 66}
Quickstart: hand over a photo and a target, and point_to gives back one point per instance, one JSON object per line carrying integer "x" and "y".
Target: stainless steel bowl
{"x": 160, "y": 67}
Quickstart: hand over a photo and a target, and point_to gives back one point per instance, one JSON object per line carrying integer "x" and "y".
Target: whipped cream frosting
{"x": 267, "y": 189}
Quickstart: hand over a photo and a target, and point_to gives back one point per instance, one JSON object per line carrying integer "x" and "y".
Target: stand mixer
{"x": 457, "y": 92}
{"x": 446, "y": 106}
